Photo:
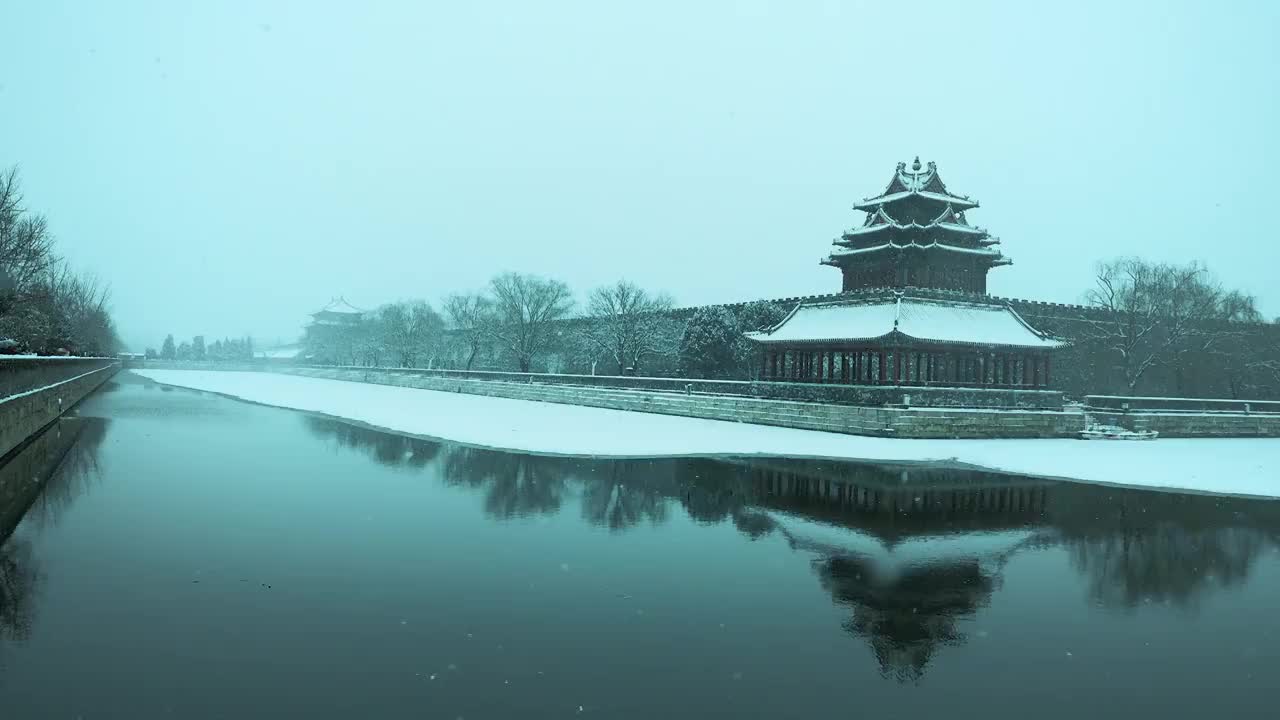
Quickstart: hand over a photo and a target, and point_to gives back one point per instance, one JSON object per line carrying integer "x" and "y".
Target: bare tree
{"x": 408, "y": 330}
{"x": 525, "y": 310}
{"x": 627, "y": 323}
{"x": 470, "y": 315}
{"x": 1155, "y": 312}
{"x": 26, "y": 246}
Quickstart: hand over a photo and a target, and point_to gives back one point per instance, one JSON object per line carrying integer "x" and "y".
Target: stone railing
{"x": 1120, "y": 403}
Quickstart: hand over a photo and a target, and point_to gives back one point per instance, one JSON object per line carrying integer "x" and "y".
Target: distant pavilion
{"x": 326, "y": 337}
{"x": 339, "y": 313}
{"x": 914, "y": 308}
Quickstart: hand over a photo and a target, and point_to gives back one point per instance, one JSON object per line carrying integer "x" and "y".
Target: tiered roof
{"x": 925, "y": 319}
{"x": 916, "y": 183}
{"x": 337, "y": 312}
{"x": 917, "y": 213}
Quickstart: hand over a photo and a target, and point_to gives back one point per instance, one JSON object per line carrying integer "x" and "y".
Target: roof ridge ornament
{"x": 915, "y": 166}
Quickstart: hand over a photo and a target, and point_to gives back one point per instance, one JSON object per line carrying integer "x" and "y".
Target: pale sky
{"x": 230, "y": 166}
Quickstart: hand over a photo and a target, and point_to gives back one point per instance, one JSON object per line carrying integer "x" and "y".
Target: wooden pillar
{"x": 831, "y": 365}
{"x": 1048, "y": 361}
{"x": 881, "y": 372}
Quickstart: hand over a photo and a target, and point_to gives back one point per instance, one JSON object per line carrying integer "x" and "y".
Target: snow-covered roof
{"x": 935, "y": 245}
{"x": 936, "y": 321}
{"x": 956, "y": 200}
{"x": 916, "y": 181}
{"x": 340, "y": 306}
{"x": 877, "y": 227}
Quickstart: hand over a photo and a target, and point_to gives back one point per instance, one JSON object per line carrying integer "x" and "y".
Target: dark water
{"x": 190, "y": 556}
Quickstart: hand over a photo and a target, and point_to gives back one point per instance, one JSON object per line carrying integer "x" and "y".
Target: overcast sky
{"x": 229, "y": 167}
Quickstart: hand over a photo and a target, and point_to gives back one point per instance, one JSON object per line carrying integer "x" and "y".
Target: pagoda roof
{"x": 881, "y": 227}
{"x": 879, "y": 221}
{"x": 339, "y": 306}
{"x": 916, "y": 182}
{"x": 948, "y": 322}
{"x": 995, "y": 255}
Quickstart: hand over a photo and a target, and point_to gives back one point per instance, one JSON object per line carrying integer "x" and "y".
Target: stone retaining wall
{"x": 1187, "y": 424}
{"x": 848, "y": 419}
{"x": 41, "y": 389}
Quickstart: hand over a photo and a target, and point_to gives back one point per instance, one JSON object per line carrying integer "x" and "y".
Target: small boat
{"x": 1112, "y": 432}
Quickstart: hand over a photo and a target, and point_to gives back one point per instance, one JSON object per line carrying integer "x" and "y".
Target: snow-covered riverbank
{"x": 1243, "y": 466}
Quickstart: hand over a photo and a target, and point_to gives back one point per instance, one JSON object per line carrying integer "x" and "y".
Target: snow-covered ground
{"x": 1237, "y": 466}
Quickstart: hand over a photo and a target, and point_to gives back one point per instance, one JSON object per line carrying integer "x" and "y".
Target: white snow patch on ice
{"x": 1218, "y": 465}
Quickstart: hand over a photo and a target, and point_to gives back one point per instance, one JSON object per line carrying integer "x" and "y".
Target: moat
{"x": 192, "y": 556}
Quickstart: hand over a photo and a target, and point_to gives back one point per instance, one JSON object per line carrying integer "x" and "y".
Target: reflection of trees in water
{"x": 906, "y": 615}
{"x": 513, "y": 485}
{"x": 615, "y": 494}
{"x": 624, "y": 493}
{"x": 47, "y": 474}
{"x": 1165, "y": 564}
{"x": 56, "y": 466}
{"x": 1137, "y": 546}
{"x": 78, "y": 469}
{"x": 18, "y": 584}
{"x": 386, "y": 449}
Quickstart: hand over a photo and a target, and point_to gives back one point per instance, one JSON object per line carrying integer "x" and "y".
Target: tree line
{"x": 46, "y": 307}
{"x": 1176, "y": 329}
{"x": 196, "y": 349}
{"x": 529, "y": 323}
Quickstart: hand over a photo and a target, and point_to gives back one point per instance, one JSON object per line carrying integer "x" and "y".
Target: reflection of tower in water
{"x": 913, "y": 550}
{"x": 910, "y": 552}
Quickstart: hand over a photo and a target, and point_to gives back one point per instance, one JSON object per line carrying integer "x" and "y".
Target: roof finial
{"x": 915, "y": 166}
